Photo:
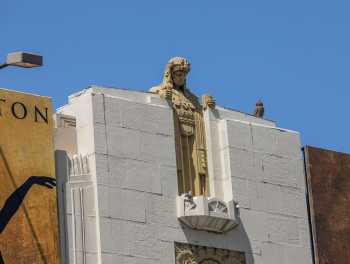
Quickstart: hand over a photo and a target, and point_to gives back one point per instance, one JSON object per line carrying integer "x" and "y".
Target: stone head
{"x": 176, "y": 72}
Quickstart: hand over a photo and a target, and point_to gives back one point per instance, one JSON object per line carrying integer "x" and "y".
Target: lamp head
{"x": 24, "y": 59}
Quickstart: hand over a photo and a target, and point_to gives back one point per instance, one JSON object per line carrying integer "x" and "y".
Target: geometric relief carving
{"x": 217, "y": 207}
{"x": 77, "y": 191}
{"x": 79, "y": 166}
{"x": 193, "y": 254}
{"x": 203, "y": 213}
{"x": 65, "y": 121}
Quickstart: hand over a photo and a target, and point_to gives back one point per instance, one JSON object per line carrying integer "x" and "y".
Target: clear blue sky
{"x": 294, "y": 55}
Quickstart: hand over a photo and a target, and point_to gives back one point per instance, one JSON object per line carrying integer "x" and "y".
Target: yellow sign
{"x": 28, "y": 217}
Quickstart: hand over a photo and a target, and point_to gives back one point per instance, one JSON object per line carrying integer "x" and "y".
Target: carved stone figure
{"x": 189, "y": 127}
{"x": 259, "y": 109}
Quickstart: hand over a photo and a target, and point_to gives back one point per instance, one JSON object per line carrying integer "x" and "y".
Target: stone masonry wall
{"x": 129, "y": 140}
{"x": 261, "y": 167}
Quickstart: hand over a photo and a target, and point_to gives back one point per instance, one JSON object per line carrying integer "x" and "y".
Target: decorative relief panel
{"x": 65, "y": 121}
{"x": 193, "y": 254}
{"x": 217, "y": 207}
{"x": 75, "y": 201}
{"x": 210, "y": 214}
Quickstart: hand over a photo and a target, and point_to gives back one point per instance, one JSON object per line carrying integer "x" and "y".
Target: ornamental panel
{"x": 193, "y": 254}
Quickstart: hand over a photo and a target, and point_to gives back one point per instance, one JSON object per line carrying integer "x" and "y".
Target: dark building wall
{"x": 328, "y": 178}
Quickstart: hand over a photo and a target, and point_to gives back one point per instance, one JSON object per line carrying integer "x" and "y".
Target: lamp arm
{"x": 4, "y": 65}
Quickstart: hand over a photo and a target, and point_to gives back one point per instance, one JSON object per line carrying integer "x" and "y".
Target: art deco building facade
{"x": 126, "y": 195}
{"x": 163, "y": 177}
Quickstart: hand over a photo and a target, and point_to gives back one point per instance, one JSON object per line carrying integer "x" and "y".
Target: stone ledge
{"x": 206, "y": 213}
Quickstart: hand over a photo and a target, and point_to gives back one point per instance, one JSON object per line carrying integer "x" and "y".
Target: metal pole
{"x": 4, "y": 65}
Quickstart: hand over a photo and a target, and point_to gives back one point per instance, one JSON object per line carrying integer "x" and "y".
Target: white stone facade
{"x": 118, "y": 203}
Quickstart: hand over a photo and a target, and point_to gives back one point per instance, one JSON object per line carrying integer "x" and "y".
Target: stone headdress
{"x": 175, "y": 64}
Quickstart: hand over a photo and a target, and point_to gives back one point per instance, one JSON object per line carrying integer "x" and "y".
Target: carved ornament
{"x": 193, "y": 254}
{"x": 191, "y": 153}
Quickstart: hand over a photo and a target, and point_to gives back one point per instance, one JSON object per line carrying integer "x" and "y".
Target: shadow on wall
{"x": 235, "y": 240}
{"x": 15, "y": 200}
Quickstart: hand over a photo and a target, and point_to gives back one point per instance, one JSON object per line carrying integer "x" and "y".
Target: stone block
{"x": 112, "y": 258}
{"x": 139, "y": 260}
{"x": 214, "y": 147}
{"x": 65, "y": 138}
{"x": 238, "y": 135}
{"x": 85, "y": 139}
{"x": 296, "y": 254}
{"x": 147, "y": 118}
{"x": 288, "y": 144}
{"x": 123, "y": 142}
{"x": 77, "y": 257}
{"x": 283, "y": 171}
{"x": 253, "y": 258}
{"x": 113, "y": 112}
{"x": 292, "y": 202}
{"x": 143, "y": 241}
{"x": 276, "y": 141}
{"x": 245, "y": 164}
{"x": 253, "y": 223}
{"x": 129, "y": 238}
{"x": 89, "y": 201}
{"x": 171, "y": 234}
{"x": 127, "y": 204}
{"x": 90, "y": 228}
{"x": 154, "y": 99}
{"x": 168, "y": 178}
{"x": 272, "y": 253}
{"x": 68, "y": 198}
{"x": 114, "y": 234}
{"x": 264, "y": 139}
{"x": 69, "y": 232}
{"x": 158, "y": 148}
{"x": 116, "y": 170}
{"x": 220, "y": 187}
{"x": 75, "y": 196}
{"x": 132, "y": 174}
{"x": 91, "y": 258}
{"x": 124, "y": 94}
{"x": 100, "y": 139}
{"x": 133, "y": 115}
{"x": 304, "y": 232}
{"x": 98, "y": 108}
{"x": 225, "y": 113}
{"x": 142, "y": 176}
{"x": 240, "y": 192}
{"x": 103, "y": 200}
{"x": 76, "y": 238}
{"x": 167, "y": 252}
{"x": 82, "y": 109}
{"x": 282, "y": 230}
{"x": 276, "y": 199}
{"x": 224, "y": 166}
{"x": 99, "y": 168}
{"x": 162, "y": 211}
{"x": 219, "y": 167}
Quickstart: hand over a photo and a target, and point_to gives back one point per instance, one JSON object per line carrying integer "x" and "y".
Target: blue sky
{"x": 294, "y": 55}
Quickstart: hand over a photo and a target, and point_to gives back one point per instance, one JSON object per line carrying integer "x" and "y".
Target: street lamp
{"x": 23, "y": 59}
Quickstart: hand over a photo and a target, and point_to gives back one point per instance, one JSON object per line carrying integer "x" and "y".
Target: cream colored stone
{"x": 191, "y": 152}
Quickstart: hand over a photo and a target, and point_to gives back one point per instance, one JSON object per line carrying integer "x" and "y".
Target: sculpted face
{"x": 179, "y": 78}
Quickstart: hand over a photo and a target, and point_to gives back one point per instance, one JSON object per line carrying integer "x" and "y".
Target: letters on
{"x": 21, "y": 111}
